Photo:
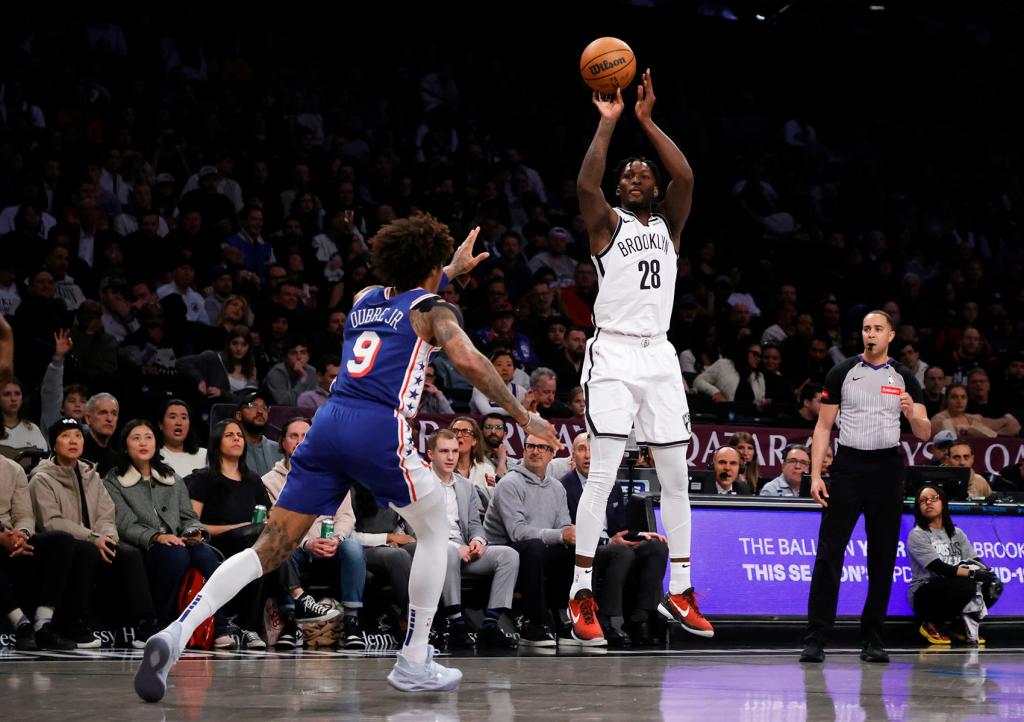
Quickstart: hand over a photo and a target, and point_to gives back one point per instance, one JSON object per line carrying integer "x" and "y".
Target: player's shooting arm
{"x": 440, "y": 326}
{"x": 679, "y": 193}
{"x": 597, "y": 214}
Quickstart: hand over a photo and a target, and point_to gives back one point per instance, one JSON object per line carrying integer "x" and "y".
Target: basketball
{"x": 607, "y": 64}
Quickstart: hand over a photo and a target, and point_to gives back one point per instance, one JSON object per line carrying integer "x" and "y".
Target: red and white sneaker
{"x": 683, "y": 608}
{"x": 586, "y": 630}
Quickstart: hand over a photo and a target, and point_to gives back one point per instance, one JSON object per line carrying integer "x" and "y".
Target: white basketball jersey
{"x": 636, "y": 278}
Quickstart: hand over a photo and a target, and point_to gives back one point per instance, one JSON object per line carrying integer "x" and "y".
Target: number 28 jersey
{"x": 382, "y": 358}
{"x": 636, "y": 276}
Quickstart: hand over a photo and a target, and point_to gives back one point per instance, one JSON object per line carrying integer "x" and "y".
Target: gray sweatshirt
{"x": 926, "y": 545}
{"x": 524, "y": 506}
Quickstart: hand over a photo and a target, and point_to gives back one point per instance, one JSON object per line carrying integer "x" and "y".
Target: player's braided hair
{"x": 406, "y": 250}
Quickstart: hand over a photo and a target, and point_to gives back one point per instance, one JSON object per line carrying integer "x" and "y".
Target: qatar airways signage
{"x": 990, "y": 455}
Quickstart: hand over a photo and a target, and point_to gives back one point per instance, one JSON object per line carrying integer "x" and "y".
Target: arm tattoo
{"x": 275, "y": 545}
{"x": 474, "y": 365}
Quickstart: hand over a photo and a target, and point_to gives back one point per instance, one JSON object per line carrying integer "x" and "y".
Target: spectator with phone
{"x": 951, "y": 589}
{"x": 153, "y": 513}
{"x": 626, "y": 560}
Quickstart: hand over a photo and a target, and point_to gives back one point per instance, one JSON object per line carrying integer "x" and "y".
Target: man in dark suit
{"x": 726, "y": 462}
{"x": 622, "y": 557}
{"x": 468, "y": 550}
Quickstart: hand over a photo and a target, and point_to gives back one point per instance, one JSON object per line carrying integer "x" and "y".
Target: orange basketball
{"x": 607, "y": 64}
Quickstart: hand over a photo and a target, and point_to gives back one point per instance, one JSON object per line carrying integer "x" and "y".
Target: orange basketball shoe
{"x": 586, "y": 630}
{"x": 683, "y": 608}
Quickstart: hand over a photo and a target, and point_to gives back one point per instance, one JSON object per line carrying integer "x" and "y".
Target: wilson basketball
{"x": 607, "y": 64}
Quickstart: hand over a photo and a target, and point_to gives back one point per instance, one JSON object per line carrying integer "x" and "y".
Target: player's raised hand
{"x": 542, "y": 428}
{"x": 609, "y": 106}
{"x": 645, "y": 97}
{"x": 463, "y": 261}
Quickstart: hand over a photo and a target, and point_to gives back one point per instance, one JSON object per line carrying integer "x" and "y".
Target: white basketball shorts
{"x": 633, "y": 381}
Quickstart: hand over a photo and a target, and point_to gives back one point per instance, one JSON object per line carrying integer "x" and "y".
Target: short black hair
{"x": 883, "y": 314}
{"x": 500, "y": 417}
{"x": 408, "y": 249}
{"x": 327, "y": 360}
{"x": 809, "y": 391}
{"x": 655, "y": 171}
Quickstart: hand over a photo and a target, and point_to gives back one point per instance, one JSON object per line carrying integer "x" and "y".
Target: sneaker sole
{"x": 874, "y": 660}
{"x": 149, "y": 684}
{"x": 543, "y": 643}
{"x": 575, "y": 641}
{"x": 706, "y": 633}
{"x": 89, "y": 645}
{"x": 448, "y": 686}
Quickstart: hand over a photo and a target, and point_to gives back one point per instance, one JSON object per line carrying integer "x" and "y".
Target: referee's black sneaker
{"x": 813, "y": 652}
{"x": 873, "y": 652}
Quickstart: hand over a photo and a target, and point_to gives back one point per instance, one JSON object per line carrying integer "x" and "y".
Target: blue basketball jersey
{"x": 382, "y": 359}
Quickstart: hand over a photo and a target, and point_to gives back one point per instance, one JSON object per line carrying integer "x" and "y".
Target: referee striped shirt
{"x": 868, "y": 397}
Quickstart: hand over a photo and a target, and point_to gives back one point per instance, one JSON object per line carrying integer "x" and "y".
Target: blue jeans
{"x": 349, "y": 563}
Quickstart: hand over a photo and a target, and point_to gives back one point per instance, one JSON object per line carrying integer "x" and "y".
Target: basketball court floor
{"x": 715, "y": 683}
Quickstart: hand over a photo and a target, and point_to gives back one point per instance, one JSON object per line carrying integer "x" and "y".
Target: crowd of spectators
{"x": 185, "y": 217}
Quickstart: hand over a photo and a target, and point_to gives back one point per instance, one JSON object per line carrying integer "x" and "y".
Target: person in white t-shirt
{"x": 20, "y": 433}
{"x": 195, "y": 304}
{"x": 181, "y": 450}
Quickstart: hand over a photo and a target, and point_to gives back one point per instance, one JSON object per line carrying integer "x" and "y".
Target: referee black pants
{"x": 868, "y": 482}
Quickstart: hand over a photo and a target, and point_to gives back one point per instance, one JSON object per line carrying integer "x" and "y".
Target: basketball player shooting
{"x": 361, "y": 435}
{"x": 630, "y": 374}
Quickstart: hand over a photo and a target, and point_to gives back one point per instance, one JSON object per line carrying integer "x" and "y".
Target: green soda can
{"x": 327, "y": 529}
{"x": 259, "y": 514}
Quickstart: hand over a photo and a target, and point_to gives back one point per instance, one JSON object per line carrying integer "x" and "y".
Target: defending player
{"x": 361, "y": 436}
{"x": 630, "y": 374}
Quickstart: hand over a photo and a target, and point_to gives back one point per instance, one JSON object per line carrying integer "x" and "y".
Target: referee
{"x": 871, "y": 390}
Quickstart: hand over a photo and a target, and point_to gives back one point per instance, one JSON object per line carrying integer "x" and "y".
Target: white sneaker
{"x": 251, "y": 640}
{"x": 161, "y": 652}
{"x": 427, "y": 677}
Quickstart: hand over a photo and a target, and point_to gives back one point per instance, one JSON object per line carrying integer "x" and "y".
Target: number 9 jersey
{"x": 636, "y": 276}
{"x": 382, "y": 359}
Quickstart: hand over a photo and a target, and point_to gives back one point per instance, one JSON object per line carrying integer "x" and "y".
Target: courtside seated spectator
{"x": 956, "y": 419}
{"x": 796, "y": 460}
{"x": 33, "y": 566}
{"x": 726, "y": 464}
{"x": 959, "y": 454}
{"x": 630, "y": 569}
{"x": 469, "y": 552}
{"x": 154, "y": 514}
{"x": 529, "y": 512}
{"x": 68, "y": 496}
